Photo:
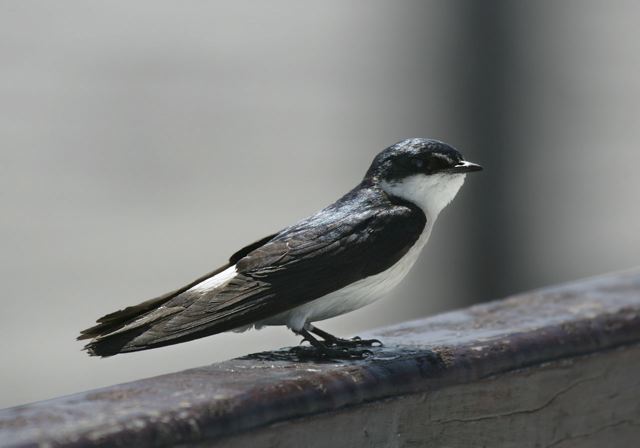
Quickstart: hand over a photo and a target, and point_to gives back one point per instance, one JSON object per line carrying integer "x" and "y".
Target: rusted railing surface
{"x": 554, "y": 367}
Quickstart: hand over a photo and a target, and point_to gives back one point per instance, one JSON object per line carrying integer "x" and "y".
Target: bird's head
{"x": 423, "y": 171}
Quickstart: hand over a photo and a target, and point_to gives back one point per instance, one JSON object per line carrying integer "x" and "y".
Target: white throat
{"x": 431, "y": 193}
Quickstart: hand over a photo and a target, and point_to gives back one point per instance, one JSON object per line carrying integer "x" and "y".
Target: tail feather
{"x": 114, "y": 330}
{"x": 119, "y": 319}
{"x": 115, "y": 335}
{"x": 113, "y": 344}
{"x": 117, "y": 332}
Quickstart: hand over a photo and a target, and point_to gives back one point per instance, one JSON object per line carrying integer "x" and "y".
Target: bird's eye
{"x": 438, "y": 163}
{"x": 419, "y": 163}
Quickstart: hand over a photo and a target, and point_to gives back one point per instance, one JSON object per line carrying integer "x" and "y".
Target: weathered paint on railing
{"x": 548, "y": 336}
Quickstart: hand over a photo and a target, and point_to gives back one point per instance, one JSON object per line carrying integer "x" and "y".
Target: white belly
{"x": 354, "y": 296}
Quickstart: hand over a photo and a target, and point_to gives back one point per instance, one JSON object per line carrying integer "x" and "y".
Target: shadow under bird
{"x": 340, "y": 259}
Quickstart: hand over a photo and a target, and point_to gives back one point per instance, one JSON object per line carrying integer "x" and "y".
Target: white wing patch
{"x": 216, "y": 281}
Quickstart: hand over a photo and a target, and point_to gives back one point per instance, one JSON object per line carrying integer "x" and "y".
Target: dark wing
{"x": 305, "y": 262}
{"x": 114, "y": 321}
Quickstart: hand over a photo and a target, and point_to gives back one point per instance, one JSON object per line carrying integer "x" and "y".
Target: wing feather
{"x": 338, "y": 246}
{"x": 297, "y": 266}
{"x": 122, "y": 320}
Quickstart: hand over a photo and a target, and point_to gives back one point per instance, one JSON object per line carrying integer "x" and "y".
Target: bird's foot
{"x": 356, "y": 342}
{"x": 331, "y": 340}
{"x": 330, "y": 353}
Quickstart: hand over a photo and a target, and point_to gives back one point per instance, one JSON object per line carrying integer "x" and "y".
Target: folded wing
{"x": 309, "y": 260}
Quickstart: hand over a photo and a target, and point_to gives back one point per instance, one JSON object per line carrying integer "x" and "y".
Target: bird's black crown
{"x": 417, "y": 156}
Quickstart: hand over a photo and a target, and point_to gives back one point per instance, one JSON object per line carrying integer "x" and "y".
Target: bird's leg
{"x": 338, "y": 342}
{"x": 329, "y": 351}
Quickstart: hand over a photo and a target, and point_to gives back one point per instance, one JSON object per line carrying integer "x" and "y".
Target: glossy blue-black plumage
{"x": 362, "y": 234}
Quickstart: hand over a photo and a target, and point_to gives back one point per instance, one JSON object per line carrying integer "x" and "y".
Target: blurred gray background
{"x": 144, "y": 142}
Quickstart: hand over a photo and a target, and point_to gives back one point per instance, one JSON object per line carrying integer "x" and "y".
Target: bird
{"x": 347, "y": 255}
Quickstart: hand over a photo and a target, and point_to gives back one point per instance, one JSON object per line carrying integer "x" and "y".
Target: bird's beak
{"x": 465, "y": 167}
